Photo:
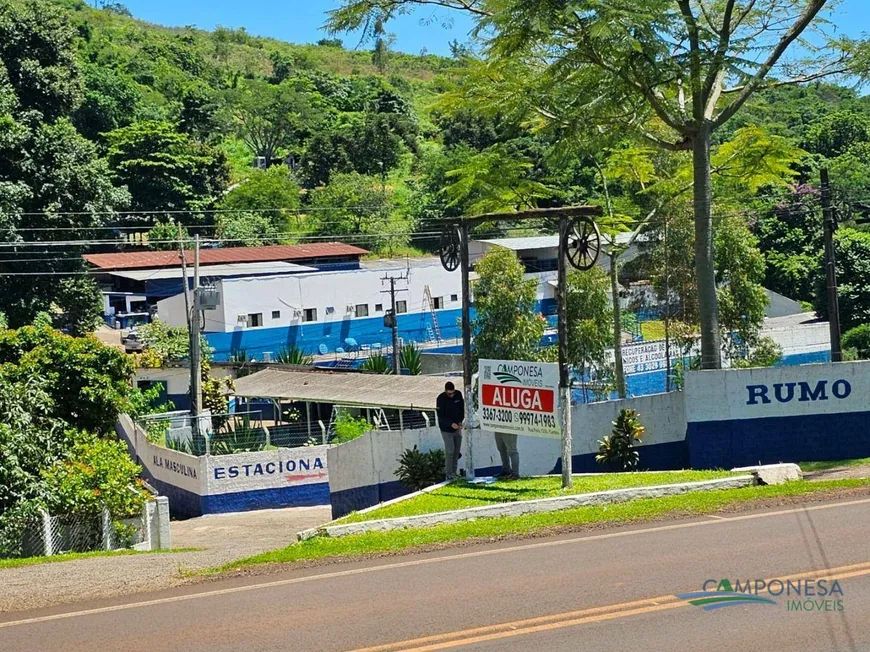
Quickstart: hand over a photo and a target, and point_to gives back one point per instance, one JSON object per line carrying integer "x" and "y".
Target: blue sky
{"x": 299, "y": 21}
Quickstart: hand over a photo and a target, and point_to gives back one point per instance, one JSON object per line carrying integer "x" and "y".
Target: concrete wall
{"x": 439, "y": 363}
{"x": 779, "y": 414}
{"x": 230, "y": 483}
{"x": 362, "y": 472}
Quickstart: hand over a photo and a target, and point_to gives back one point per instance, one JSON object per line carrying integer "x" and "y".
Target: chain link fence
{"x": 49, "y": 535}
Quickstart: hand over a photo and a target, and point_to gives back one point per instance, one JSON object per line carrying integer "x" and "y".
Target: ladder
{"x": 427, "y": 300}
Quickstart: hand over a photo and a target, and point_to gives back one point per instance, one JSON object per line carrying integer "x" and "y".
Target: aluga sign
{"x": 519, "y": 398}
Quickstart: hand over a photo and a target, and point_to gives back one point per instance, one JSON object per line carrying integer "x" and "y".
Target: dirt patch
{"x": 840, "y": 473}
{"x": 736, "y": 508}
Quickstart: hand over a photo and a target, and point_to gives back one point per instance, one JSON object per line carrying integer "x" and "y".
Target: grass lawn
{"x": 653, "y": 330}
{"x": 824, "y": 466}
{"x": 634, "y": 511}
{"x": 71, "y": 556}
{"x": 461, "y": 495}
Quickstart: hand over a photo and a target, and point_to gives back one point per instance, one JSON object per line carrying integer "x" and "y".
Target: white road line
{"x": 424, "y": 562}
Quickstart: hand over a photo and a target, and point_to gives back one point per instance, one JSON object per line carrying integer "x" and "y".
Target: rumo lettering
{"x": 823, "y": 390}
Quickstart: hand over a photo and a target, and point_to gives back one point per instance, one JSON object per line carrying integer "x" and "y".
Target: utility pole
{"x": 564, "y": 379}
{"x": 465, "y": 265}
{"x": 831, "y": 268}
{"x": 195, "y": 340}
{"x": 188, "y": 311}
{"x": 391, "y": 319}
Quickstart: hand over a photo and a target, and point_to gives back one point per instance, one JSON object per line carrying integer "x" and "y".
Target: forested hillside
{"x": 114, "y": 128}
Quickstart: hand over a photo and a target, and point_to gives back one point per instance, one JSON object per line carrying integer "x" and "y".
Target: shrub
{"x": 618, "y": 451}
{"x": 347, "y": 428}
{"x": 420, "y": 470}
{"x": 293, "y": 355}
{"x": 858, "y": 338}
{"x": 377, "y": 363}
{"x": 410, "y": 359}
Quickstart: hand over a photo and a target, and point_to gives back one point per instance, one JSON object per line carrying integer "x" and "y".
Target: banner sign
{"x": 519, "y": 398}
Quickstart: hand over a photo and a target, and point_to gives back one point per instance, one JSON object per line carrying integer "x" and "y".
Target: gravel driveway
{"x": 223, "y": 538}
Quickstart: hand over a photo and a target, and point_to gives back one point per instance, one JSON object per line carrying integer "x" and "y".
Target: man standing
{"x": 451, "y": 413}
{"x": 510, "y": 457}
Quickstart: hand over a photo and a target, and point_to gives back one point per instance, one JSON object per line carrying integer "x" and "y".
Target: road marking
{"x": 718, "y": 518}
{"x": 422, "y": 562}
{"x": 581, "y": 617}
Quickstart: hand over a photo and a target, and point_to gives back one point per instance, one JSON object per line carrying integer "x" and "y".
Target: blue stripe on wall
{"x": 808, "y": 438}
{"x": 297, "y": 496}
{"x": 182, "y": 503}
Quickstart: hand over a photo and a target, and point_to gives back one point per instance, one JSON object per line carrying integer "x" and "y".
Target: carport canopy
{"x": 343, "y": 388}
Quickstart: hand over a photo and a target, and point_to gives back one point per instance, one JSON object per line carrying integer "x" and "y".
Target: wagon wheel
{"x": 451, "y": 245}
{"x": 583, "y": 243}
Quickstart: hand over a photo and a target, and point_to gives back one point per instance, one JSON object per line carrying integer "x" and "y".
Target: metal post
{"x": 401, "y": 422}
{"x": 466, "y": 351}
{"x": 195, "y": 323}
{"x": 564, "y": 380}
{"x": 188, "y": 311}
{"x": 831, "y": 269}
{"x": 397, "y": 369}
{"x": 308, "y": 418}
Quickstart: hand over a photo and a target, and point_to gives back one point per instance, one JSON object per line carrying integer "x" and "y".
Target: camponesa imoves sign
{"x": 520, "y": 398}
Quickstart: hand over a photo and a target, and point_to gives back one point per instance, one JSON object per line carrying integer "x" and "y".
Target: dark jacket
{"x": 450, "y": 410}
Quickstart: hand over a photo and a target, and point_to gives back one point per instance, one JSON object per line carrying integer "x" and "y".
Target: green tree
{"x": 356, "y": 205}
{"x": 164, "y": 236}
{"x": 852, "y": 251}
{"x": 835, "y": 133}
{"x": 52, "y": 184}
{"x": 858, "y": 340}
{"x": 165, "y": 169}
{"x": 81, "y": 305}
{"x": 110, "y": 101}
{"x": 740, "y": 273}
{"x": 270, "y": 118}
{"x": 272, "y": 194}
{"x": 671, "y": 71}
{"x": 245, "y": 230}
{"x": 507, "y": 324}
{"x": 590, "y": 319}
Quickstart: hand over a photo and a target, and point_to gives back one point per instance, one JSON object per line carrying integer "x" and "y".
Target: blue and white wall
{"x": 778, "y": 414}
{"x": 214, "y": 484}
{"x": 362, "y": 472}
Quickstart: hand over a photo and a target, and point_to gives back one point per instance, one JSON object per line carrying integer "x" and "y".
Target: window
{"x": 362, "y": 310}
{"x": 255, "y": 319}
{"x": 330, "y": 310}
{"x": 310, "y": 314}
{"x": 438, "y": 302}
{"x": 401, "y": 307}
{"x": 276, "y": 314}
{"x": 454, "y": 298}
{"x": 379, "y": 307}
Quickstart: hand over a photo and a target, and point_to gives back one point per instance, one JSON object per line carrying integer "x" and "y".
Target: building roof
{"x": 545, "y": 241}
{"x": 228, "y": 255}
{"x": 341, "y": 388}
{"x": 232, "y": 269}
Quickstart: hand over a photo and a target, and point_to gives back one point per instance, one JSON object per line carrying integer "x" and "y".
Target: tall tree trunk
{"x": 708, "y": 306}
{"x": 617, "y": 325}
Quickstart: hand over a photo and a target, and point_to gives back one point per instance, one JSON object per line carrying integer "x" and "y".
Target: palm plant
{"x": 410, "y": 359}
{"x": 377, "y": 363}
{"x": 294, "y": 355}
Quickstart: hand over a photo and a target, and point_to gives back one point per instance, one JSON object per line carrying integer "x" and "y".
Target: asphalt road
{"x": 612, "y": 590}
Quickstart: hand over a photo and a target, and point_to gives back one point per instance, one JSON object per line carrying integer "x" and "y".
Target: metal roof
{"x": 232, "y": 269}
{"x": 151, "y": 259}
{"x": 352, "y": 389}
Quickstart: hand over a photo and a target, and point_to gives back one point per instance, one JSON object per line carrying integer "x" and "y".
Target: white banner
{"x": 520, "y": 398}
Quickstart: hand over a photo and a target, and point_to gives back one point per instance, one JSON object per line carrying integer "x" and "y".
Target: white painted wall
{"x": 372, "y": 458}
{"x": 735, "y": 394}
{"x": 274, "y": 469}
{"x": 802, "y": 338}
{"x": 177, "y": 379}
{"x": 289, "y": 295}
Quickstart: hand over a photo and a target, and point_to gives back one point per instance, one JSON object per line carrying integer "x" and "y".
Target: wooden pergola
{"x": 579, "y": 245}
